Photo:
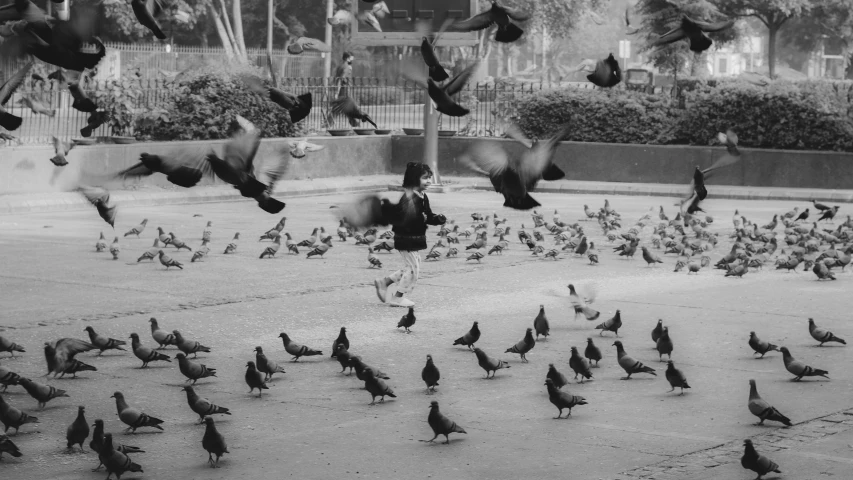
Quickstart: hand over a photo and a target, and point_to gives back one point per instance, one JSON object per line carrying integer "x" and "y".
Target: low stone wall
{"x": 604, "y": 162}
{"x": 28, "y": 169}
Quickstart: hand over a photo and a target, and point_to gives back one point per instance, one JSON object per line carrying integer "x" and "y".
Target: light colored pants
{"x": 406, "y": 277}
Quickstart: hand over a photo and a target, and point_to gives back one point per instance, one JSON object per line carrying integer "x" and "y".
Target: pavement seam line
{"x": 771, "y": 441}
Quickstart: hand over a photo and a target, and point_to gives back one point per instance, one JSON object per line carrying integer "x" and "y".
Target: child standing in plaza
{"x": 410, "y": 215}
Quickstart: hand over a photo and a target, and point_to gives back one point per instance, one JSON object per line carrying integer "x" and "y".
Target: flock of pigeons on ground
{"x": 685, "y": 236}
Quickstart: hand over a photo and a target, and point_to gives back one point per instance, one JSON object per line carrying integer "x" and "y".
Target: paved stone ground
{"x": 315, "y": 422}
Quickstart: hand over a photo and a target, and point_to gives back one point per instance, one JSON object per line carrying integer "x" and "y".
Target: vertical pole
{"x": 271, "y": 8}
{"x": 431, "y": 136}
{"x": 327, "y": 67}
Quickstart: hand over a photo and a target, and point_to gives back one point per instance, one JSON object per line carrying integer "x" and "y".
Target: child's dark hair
{"x": 414, "y": 172}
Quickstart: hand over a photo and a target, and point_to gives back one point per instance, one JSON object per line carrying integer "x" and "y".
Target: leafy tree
{"x": 773, "y": 14}
{"x": 829, "y": 23}
{"x": 661, "y": 16}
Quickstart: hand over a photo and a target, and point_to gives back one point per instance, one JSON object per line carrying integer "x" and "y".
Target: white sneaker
{"x": 396, "y": 301}
{"x": 381, "y": 288}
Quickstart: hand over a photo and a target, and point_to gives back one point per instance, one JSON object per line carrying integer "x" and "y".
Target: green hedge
{"x": 804, "y": 115}
{"x": 203, "y": 106}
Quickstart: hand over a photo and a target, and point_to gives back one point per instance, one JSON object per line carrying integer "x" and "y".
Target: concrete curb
{"x": 658, "y": 190}
{"x": 68, "y": 201}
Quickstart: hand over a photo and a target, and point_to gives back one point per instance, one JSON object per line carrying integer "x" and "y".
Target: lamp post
{"x": 271, "y": 9}
{"x": 327, "y": 66}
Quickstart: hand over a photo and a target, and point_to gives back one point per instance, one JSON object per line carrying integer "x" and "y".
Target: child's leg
{"x": 410, "y": 272}
{"x": 382, "y": 284}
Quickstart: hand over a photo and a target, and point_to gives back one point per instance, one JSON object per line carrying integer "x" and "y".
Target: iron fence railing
{"x": 391, "y": 104}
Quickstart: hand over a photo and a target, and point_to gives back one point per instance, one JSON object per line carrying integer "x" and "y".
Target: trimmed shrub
{"x": 203, "y": 106}
{"x": 609, "y": 116}
{"x": 806, "y": 115}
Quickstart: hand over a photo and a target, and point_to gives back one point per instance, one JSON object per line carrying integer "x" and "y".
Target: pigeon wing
{"x": 69, "y": 347}
{"x": 13, "y": 82}
{"x": 515, "y": 133}
{"x": 487, "y": 157}
{"x": 477, "y": 22}
{"x": 520, "y": 16}
{"x": 714, "y": 27}
{"x": 460, "y": 80}
{"x": 240, "y": 152}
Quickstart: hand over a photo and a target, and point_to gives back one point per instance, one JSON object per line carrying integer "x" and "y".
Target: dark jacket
{"x": 410, "y": 218}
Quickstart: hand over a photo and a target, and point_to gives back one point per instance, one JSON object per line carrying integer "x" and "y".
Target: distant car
{"x": 639, "y": 79}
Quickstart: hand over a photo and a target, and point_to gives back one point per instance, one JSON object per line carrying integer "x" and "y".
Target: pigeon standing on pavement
{"x": 611, "y": 324}
{"x": 579, "y": 365}
{"x": 98, "y": 441}
{"x": 656, "y": 332}
{"x": 470, "y": 338}
{"x": 377, "y": 387}
{"x": 676, "y": 378}
{"x": 213, "y": 442}
{"x": 11, "y": 417}
{"x": 407, "y": 320}
{"x": 630, "y": 365}
{"x": 193, "y": 371}
{"x": 104, "y": 343}
{"x": 137, "y": 229}
{"x": 188, "y": 346}
{"x": 114, "y": 461}
{"x": 540, "y": 323}
{"x": 489, "y": 364}
{"x": 763, "y": 410}
{"x": 664, "y": 344}
{"x": 823, "y": 335}
{"x": 556, "y": 377}
{"x": 296, "y": 349}
{"x": 800, "y": 369}
{"x": 7, "y": 345}
{"x": 592, "y": 352}
{"x": 265, "y": 365}
{"x": 78, "y": 431}
{"x": 7, "y": 446}
{"x": 342, "y": 339}
{"x": 146, "y": 354}
{"x": 151, "y": 252}
{"x": 40, "y": 392}
{"x": 760, "y": 346}
{"x": 440, "y": 424}
{"x": 115, "y": 249}
{"x": 430, "y": 375}
{"x": 168, "y": 261}
{"x": 202, "y": 406}
{"x": 752, "y": 460}
{"x": 562, "y": 399}
{"x": 162, "y": 337}
{"x": 132, "y": 417}
{"x": 524, "y": 345}
{"x": 255, "y": 379}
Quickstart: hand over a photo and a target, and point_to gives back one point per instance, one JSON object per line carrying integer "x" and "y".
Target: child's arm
{"x": 431, "y": 218}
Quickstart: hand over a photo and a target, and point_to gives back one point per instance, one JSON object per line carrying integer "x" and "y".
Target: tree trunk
{"x": 223, "y": 35}
{"x": 227, "y": 22}
{"x": 773, "y": 29}
{"x": 238, "y": 27}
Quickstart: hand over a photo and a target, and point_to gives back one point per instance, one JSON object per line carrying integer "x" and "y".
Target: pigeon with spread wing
{"x": 441, "y": 95}
{"x": 100, "y": 198}
{"x": 694, "y": 31}
{"x": 516, "y": 177}
{"x": 499, "y": 15}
